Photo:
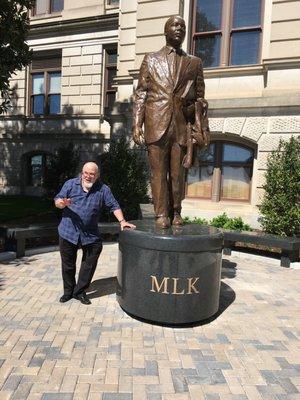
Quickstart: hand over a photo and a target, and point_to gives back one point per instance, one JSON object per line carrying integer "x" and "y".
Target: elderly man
{"x": 81, "y": 200}
{"x": 169, "y": 86}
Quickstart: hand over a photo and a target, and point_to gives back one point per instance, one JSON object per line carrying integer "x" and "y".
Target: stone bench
{"x": 20, "y": 234}
{"x": 290, "y": 246}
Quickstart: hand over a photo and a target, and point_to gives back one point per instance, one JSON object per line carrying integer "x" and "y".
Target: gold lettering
{"x": 175, "y": 280}
{"x": 191, "y": 286}
{"x": 158, "y": 287}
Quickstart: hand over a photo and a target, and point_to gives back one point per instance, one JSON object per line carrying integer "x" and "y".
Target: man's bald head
{"x": 91, "y": 166}
{"x": 171, "y": 20}
{"x": 89, "y": 175}
{"x": 175, "y": 31}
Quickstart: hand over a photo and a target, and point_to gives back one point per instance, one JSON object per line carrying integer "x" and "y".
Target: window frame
{"x": 226, "y": 30}
{"x": 108, "y": 66}
{"x": 48, "y": 9}
{"x": 46, "y": 72}
{"x": 218, "y": 164}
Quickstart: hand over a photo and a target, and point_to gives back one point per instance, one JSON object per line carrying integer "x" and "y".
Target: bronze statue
{"x": 169, "y": 102}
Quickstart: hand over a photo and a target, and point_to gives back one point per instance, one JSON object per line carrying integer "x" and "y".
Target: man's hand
{"x": 138, "y": 136}
{"x": 125, "y": 224}
{"x": 62, "y": 203}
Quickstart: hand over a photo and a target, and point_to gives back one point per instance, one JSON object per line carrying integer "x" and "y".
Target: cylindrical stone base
{"x": 170, "y": 276}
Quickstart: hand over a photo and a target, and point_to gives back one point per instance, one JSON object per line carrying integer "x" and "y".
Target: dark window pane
{"x": 113, "y": 2}
{"x": 57, "y": 5}
{"x": 246, "y": 13}
{"x": 208, "y": 49}
{"x": 38, "y": 104}
{"x": 244, "y": 48}
{"x": 111, "y": 73}
{"x": 54, "y": 103}
{"x": 110, "y": 99}
{"x": 41, "y": 7}
{"x": 112, "y": 57}
{"x": 239, "y": 154}
{"x": 208, "y": 15}
{"x": 235, "y": 183}
{"x": 36, "y": 164}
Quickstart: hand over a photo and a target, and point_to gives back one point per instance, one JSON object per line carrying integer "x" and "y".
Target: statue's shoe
{"x": 177, "y": 220}
{"x": 162, "y": 222}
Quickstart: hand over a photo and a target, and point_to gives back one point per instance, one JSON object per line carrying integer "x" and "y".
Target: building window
{"x": 110, "y": 72}
{"x": 47, "y": 6}
{"x": 223, "y": 172}
{"x": 37, "y": 165}
{"x": 112, "y": 2}
{"x": 227, "y": 32}
{"x": 45, "y": 85}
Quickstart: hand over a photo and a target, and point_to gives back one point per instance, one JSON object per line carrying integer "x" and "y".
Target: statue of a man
{"x": 170, "y": 85}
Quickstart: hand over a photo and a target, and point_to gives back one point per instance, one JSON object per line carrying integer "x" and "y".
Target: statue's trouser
{"x": 167, "y": 174}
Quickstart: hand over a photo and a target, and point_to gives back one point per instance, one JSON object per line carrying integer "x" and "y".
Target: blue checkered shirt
{"x": 80, "y": 219}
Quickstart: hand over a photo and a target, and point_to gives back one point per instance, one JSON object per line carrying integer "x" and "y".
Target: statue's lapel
{"x": 184, "y": 64}
{"x": 164, "y": 68}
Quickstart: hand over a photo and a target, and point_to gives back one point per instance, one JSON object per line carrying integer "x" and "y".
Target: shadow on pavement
{"x": 102, "y": 287}
{"x": 227, "y": 297}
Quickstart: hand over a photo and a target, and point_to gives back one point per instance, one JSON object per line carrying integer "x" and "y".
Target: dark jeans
{"x": 68, "y": 253}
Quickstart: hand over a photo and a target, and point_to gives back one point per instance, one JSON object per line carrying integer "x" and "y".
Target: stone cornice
{"x": 97, "y": 23}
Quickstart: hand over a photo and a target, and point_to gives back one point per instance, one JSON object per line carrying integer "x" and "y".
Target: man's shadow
{"x": 102, "y": 287}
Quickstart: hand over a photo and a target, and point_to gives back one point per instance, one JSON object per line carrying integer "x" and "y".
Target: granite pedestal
{"x": 170, "y": 276}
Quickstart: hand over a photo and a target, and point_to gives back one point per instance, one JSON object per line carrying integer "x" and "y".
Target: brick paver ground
{"x": 54, "y": 351}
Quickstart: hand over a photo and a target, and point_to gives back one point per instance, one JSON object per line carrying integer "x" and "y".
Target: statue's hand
{"x": 138, "y": 136}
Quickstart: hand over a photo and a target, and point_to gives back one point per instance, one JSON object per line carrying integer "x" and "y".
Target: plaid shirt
{"x": 80, "y": 218}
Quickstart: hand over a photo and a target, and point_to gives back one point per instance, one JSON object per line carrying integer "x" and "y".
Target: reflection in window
{"x": 244, "y": 47}
{"x": 112, "y": 2}
{"x": 232, "y": 38}
{"x": 208, "y": 49}
{"x": 38, "y": 93}
{"x": 233, "y": 182}
{"x": 246, "y": 13}
{"x": 37, "y": 169}
{"x": 208, "y": 16}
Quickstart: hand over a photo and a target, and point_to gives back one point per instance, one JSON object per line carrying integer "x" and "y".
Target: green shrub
{"x": 60, "y": 167}
{"x": 124, "y": 171}
{"x": 280, "y": 207}
{"x": 221, "y": 221}
{"x": 196, "y": 220}
{"x": 234, "y": 224}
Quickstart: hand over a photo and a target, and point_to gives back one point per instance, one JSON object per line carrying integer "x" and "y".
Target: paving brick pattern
{"x": 54, "y": 351}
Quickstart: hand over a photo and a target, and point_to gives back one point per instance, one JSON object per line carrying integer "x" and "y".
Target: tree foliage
{"x": 280, "y": 207}
{"x": 61, "y": 167}
{"x": 14, "y": 52}
{"x": 125, "y": 172}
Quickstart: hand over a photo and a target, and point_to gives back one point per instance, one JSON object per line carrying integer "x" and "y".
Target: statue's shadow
{"x": 102, "y": 287}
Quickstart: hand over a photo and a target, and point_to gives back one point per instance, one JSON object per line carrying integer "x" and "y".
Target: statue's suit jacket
{"x": 159, "y": 97}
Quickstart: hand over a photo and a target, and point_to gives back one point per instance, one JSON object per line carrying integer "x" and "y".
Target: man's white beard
{"x": 87, "y": 185}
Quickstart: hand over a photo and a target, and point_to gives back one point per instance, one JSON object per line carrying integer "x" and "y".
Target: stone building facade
{"x": 88, "y": 56}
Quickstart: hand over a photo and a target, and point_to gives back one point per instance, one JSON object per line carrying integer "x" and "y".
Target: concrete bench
{"x": 21, "y": 234}
{"x": 290, "y": 246}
